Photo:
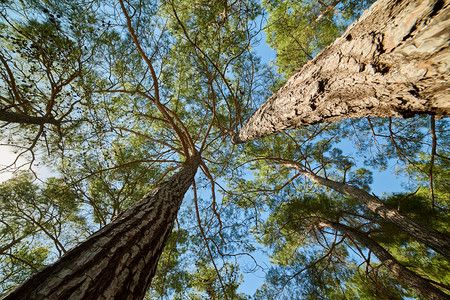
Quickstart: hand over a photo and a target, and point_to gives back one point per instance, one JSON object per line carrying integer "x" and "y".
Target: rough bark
{"x": 434, "y": 239}
{"x": 403, "y": 274}
{"x": 392, "y": 62}
{"x": 118, "y": 261}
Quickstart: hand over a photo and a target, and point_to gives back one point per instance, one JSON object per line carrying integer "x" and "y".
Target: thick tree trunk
{"x": 436, "y": 240}
{"x": 393, "y": 62}
{"x": 403, "y": 274}
{"x": 118, "y": 261}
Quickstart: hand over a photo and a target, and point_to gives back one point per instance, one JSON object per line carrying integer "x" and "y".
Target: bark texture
{"x": 434, "y": 239}
{"x": 118, "y": 261}
{"x": 403, "y": 274}
{"x": 392, "y": 62}
{"x": 12, "y": 117}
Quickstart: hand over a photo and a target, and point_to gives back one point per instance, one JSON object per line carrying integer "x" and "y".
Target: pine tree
{"x": 390, "y": 63}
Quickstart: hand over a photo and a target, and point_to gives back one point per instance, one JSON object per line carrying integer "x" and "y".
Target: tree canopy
{"x": 117, "y": 98}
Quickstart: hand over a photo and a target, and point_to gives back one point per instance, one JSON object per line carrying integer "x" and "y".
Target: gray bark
{"x": 392, "y": 62}
{"x": 118, "y": 261}
{"x": 403, "y": 274}
{"x": 434, "y": 239}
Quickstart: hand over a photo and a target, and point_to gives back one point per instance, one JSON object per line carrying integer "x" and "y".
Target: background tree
{"x": 137, "y": 91}
{"x": 167, "y": 82}
{"x": 294, "y": 236}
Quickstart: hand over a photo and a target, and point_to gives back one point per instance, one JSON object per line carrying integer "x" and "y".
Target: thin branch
{"x": 433, "y": 154}
{"x": 194, "y": 187}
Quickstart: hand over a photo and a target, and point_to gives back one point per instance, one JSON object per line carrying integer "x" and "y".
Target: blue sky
{"x": 384, "y": 182}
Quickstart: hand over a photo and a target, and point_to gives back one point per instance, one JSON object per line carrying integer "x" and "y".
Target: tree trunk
{"x": 392, "y": 62}
{"x": 118, "y": 261}
{"x": 403, "y": 274}
{"x": 434, "y": 239}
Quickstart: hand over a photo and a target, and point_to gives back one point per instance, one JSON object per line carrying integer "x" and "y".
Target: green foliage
{"x": 310, "y": 261}
{"x": 298, "y": 30}
{"x": 324, "y": 263}
{"x": 171, "y": 278}
{"x": 45, "y": 48}
{"x": 38, "y": 224}
{"x": 126, "y": 119}
{"x": 380, "y": 285}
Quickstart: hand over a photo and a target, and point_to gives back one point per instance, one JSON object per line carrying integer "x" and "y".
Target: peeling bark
{"x": 434, "y": 239}
{"x": 392, "y": 62}
{"x": 403, "y": 274}
{"x": 119, "y": 261}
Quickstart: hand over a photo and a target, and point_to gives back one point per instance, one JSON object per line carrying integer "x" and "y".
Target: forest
{"x": 160, "y": 153}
